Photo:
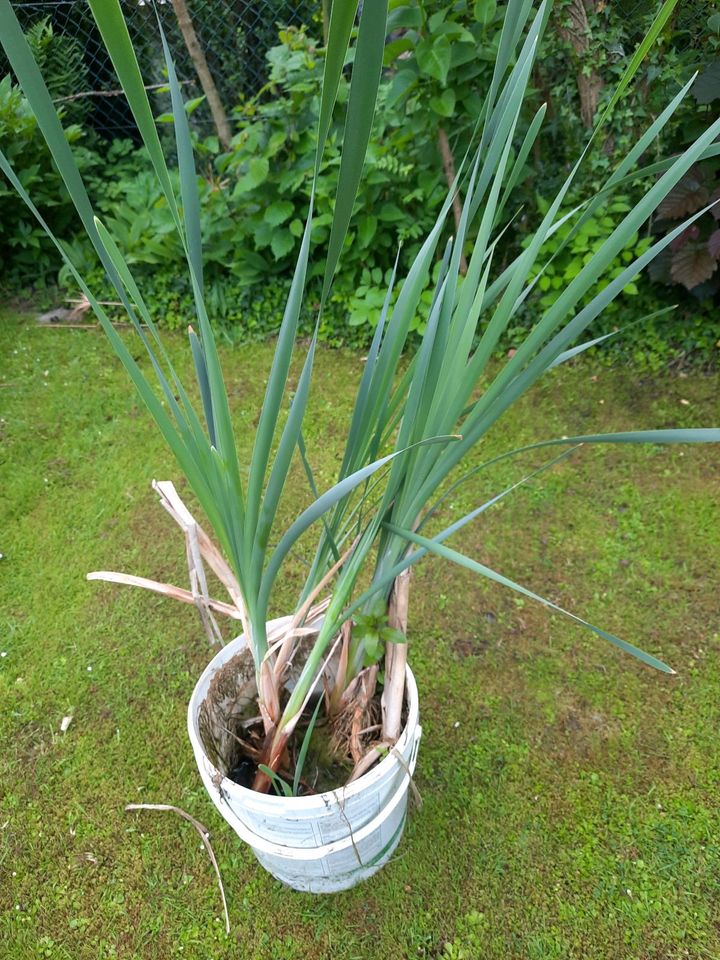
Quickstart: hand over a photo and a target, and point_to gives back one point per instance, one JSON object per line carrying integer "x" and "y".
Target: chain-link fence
{"x": 219, "y": 48}
{"x": 688, "y": 25}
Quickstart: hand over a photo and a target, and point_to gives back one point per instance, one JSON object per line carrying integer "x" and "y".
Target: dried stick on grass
{"x": 204, "y": 836}
{"x": 395, "y": 659}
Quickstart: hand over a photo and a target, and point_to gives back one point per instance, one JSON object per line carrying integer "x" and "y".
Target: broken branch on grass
{"x": 204, "y": 836}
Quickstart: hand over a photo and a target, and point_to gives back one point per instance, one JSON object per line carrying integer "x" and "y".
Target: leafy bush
{"x": 692, "y": 258}
{"x": 62, "y": 64}
{"x": 26, "y": 255}
{"x": 648, "y": 331}
{"x": 268, "y": 175}
{"x": 566, "y": 262}
{"x": 254, "y": 197}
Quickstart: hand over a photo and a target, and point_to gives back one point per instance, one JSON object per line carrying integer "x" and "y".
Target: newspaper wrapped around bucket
{"x": 323, "y": 843}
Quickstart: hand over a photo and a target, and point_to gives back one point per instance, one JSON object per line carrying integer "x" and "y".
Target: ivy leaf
{"x": 713, "y": 244}
{"x": 466, "y": 53}
{"x": 707, "y": 86}
{"x": 391, "y": 212}
{"x": 437, "y": 18}
{"x": 692, "y": 265}
{"x": 456, "y": 33}
{"x": 358, "y": 316}
{"x": 405, "y": 16}
{"x": 278, "y": 212}
{"x": 433, "y": 57}
{"x": 444, "y": 105}
{"x": 366, "y": 229}
{"x": 282, "y": 243}
{"x": 401, "y": 83}
{"x": 395, "y": 48}
{"x": 484, "y": 11}
{"x": 257, "y": 172}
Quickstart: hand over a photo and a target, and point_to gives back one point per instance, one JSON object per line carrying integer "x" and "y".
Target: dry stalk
{"x": 276, "y": 745}
{"x": 335, "y": 697}
{"x": 204, "y": 836}
{"x": 170, "y": 500}
{"x": 305, "y": 610}
{"x": 376, "y": 752}
{"x": 357, "y": 715}
{"x": 166, "y": 589}
{"x": 198, "y": 584}
{"x": 396, "y": 659}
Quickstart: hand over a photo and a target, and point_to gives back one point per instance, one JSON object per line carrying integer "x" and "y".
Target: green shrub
{"x": 566, "y": 263}
{"x": 62, "y": 64}
{"x": 690, "y": 332}
{"x": 26, "y": 255}
{"x": 254, "y": 197}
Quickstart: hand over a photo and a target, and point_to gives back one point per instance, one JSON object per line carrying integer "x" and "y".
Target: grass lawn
{"x": 571, "y": 795}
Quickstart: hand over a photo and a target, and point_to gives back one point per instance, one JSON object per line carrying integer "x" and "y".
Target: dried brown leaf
{"x": 693, "y": 265}
{"x": 686, "y": 197}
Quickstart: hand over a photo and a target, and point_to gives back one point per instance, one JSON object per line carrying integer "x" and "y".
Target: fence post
{"x": 207, "y": 83}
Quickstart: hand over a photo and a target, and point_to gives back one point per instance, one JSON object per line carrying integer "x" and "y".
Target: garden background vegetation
{"x": 438, "y": 60}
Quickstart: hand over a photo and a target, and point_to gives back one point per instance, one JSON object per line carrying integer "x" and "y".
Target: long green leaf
{"x": 321, "y": 506}
{"x": 448, "y": 554}
{"x": 186, "y": 163}
{"x": 114, "y": 32}
{"x": 360, "y": 112}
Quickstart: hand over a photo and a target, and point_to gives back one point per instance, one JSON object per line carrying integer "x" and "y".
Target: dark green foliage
{"x": 26, "y": 256}
{"x": 254, "y": 197}
{"x": 692, "y": 258}
{"x": 61, "y": 61}
{"x": 690, "y": 43}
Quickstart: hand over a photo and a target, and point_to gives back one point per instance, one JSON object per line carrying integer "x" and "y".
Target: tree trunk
{"x": 577, "y": 33}
{"x": 449, "y": 167}
{"x": 207, "y": 83}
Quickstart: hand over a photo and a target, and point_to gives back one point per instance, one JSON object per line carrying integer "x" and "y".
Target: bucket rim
{"x": 317, "y": 801}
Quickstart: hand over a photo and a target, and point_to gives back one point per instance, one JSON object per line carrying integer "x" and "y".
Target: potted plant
{"x": 334, "y": 670}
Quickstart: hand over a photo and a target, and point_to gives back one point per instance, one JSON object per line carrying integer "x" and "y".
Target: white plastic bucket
{"x": 323, "y": 843}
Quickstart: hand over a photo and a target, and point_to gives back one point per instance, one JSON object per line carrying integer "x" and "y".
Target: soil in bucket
{"x": 232, "y": 734}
